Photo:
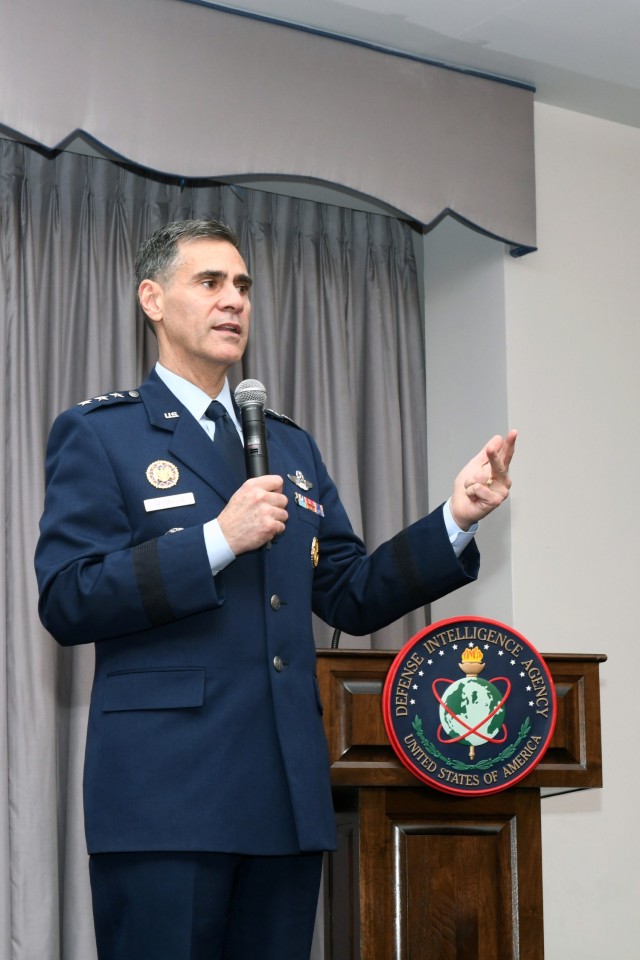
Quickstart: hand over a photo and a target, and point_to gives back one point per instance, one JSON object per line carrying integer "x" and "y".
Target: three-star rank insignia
{"x": 109, "y": 399}
{"x": 162, "y": 474}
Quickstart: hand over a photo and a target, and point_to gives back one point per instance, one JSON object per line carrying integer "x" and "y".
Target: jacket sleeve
{"x": 360, "y": 593}
{"x": 95, "y": 582}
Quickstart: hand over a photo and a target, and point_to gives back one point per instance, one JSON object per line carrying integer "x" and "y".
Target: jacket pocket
{"x": 172, "y": 688}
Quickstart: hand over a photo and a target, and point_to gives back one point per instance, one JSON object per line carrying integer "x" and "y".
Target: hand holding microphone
{"x": 256, "y": 513}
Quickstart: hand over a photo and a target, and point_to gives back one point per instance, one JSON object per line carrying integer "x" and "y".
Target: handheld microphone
{"x": 251, "y": 396}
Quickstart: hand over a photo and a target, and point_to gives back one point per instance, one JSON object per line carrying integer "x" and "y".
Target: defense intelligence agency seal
{"x": 469, "y": 706}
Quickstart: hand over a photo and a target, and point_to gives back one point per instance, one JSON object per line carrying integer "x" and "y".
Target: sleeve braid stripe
{"x": 406, "y": 564}
{"x": 146, "y": 564}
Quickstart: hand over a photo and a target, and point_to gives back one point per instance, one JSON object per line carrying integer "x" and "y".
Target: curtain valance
{"x": 183, "y": 89}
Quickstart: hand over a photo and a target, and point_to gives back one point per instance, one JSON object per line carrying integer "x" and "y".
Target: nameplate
{"x": 166, "y": 503}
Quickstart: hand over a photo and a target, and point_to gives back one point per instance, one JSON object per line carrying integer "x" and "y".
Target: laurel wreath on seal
{"x": 459, "y": 764}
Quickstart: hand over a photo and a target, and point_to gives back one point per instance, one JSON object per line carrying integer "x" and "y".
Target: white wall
{"x": 550, "y": 344}
{"x": 573, "y": 351}
{"x": 467, "y": 393}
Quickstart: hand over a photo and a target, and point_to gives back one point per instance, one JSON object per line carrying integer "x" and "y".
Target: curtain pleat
{"x": 337, "y": 339}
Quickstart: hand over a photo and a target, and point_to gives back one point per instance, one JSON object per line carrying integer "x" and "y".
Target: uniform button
{"x": 278, "y": 664}
{"x": 268, "y": 545}
{"x": 275, "y": 602}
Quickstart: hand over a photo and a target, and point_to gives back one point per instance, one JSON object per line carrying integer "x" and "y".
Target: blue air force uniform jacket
{"x": 205, "y": 727}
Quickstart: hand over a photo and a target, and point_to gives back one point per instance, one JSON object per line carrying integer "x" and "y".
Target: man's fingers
{"x": 500, "y": 453}
{"x": 508, "y": 448}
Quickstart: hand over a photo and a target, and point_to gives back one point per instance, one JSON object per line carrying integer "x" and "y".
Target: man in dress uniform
{"x": 206, "y": 787}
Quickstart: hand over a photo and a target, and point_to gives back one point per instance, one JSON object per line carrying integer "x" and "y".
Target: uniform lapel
{"x": 187, "y": 441}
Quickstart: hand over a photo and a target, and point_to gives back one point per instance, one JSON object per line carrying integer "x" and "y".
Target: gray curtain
{"x": 337, "y": 339}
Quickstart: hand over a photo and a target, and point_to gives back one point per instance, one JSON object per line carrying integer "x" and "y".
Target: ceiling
{"x": 583, "y": 55}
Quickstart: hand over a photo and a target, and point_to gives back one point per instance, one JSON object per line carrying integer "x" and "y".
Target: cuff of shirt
{"x": 218, "y": 550}
{"x": 459, "y": 539}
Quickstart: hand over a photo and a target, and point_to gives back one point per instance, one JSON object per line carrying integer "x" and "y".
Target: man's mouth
{"x": 228, "y": 328}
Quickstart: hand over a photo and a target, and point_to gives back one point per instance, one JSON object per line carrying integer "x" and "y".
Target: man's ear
{"x": 151, "y": 300}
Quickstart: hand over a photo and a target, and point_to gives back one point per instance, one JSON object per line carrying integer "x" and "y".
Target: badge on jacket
{"x": 308, "y": 504}
{"x": 162, "y": 474}
{"x": 300, "y": 480}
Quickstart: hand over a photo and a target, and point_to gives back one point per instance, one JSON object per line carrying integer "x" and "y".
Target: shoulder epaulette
{"x": 282, "y": 418}
{"x": 109, "y": 400}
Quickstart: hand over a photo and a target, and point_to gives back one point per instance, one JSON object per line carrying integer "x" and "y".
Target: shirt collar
{"x": 193, "y": 398}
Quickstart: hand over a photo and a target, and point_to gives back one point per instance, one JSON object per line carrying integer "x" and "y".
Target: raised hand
{"x": 484, "y": 483}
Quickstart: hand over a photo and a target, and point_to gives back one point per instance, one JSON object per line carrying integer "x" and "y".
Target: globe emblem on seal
{"x": 472, "y": 710}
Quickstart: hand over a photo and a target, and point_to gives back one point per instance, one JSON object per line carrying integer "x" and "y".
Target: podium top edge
{"x": 385, "y": 654}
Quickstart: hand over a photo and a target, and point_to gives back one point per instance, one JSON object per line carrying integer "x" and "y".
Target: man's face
{"x": 202, "y": 309}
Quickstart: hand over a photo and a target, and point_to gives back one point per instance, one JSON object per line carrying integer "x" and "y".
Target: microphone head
{"x": 250, "y": 392}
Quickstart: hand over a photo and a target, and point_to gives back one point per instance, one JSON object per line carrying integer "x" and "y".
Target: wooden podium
{"x": 424, "y": 875}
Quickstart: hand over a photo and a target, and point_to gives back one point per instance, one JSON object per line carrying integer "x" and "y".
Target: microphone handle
{"x": 256, "y": 457}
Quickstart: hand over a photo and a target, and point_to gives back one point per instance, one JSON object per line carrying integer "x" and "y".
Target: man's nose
{"x": 232, "y": 299}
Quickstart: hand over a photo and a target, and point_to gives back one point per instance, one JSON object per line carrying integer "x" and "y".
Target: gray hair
{"x": 158, "y": 254}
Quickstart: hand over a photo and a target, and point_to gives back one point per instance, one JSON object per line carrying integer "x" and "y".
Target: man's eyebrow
{"x": 242, "y": 278}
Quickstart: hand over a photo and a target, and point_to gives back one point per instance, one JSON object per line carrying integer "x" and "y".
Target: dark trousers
{"x": 204, "y": 906}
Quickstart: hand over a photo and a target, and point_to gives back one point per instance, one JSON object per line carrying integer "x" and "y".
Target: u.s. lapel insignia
{"x": 315, "y": 551}
{"x": 300, "y": 480}
{"x": 162, "y": 474}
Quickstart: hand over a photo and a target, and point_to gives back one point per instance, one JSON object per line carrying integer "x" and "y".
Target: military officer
{"x": 206, "y": 787}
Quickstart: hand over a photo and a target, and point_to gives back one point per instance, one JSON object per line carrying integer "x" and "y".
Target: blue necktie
{"x": 226, "y": 439}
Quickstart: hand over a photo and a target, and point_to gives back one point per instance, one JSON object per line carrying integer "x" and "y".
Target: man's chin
{"x": 229, "y": 355}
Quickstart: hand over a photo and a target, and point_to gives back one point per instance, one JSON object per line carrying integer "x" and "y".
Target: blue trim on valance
{"x": 367, "y": 44}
